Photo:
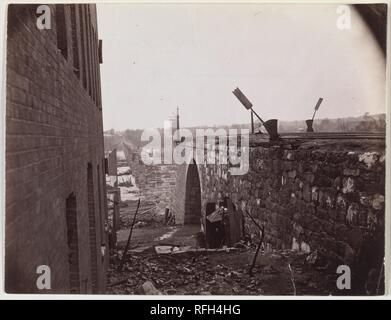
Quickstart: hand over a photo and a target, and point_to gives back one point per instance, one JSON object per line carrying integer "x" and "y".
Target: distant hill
{"x": 366, "y": 123}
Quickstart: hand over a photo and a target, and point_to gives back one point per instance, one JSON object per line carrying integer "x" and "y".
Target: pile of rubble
{"x": 219, "y": 273}
{"x": 147, "y": 215}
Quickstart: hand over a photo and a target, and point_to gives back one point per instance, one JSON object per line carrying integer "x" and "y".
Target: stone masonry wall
{"x": 155, "y": 182}
{"x": 320, "y": 195}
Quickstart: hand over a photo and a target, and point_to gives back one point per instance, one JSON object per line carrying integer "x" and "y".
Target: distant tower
{"x": 174, "y": 123}
{"x": 177, "y": 118}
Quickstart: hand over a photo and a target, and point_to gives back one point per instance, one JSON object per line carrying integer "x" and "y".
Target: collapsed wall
{"x": 156, "y": 182}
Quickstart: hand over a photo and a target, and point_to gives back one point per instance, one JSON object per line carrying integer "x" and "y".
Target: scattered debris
{"x": 130, "y": 235}
{"x": 214, "y": 272}
{"x": 292, "y": 279}
{"x": 166, "y": 249}
{"x": 311, "y": 258}
{"x": 167, "y": 235}
{"x": 116, "y": 283}
{"x": 150, "y": 289}
{"x": 140, "y": 224}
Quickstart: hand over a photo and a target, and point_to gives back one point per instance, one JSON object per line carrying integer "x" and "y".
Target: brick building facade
{"x": 55, "y": 179}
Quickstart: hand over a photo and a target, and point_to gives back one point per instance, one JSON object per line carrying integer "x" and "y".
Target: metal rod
{"x": 262, "y": 229}
{"x": 313, "y": 116}
{"x": 252, "y": 121}
{"x": 130, "y": 235}
{"x": 250, "y": 271}
{"x": 317, "y": 107}
{"x": 263, "y": 122}
{"x": 253, "y": 220}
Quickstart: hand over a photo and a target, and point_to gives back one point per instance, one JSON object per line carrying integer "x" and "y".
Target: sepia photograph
{"x": 195, "y": 149}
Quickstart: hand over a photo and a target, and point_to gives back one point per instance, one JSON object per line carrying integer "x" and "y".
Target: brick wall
{"x": 53, "y": 130}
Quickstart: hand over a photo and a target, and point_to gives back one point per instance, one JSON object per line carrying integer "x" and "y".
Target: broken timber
{"x": 130, "y": 235}
{"x": 262, "y": 230}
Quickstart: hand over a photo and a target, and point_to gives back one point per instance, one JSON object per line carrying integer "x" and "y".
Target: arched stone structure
{"x": 323, "y": 194}
{"x": 186, "y": 204}
{"x": 192, "y": 213}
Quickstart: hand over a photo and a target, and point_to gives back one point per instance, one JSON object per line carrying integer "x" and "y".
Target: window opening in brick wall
{"x": 61, "y": 30}
{"x": 92, "y": 226}
{"x": 73, "y": 243}
{"x": 82, "y": 22}
{"x": 88, "y": 51}
{"x": 101, "y": 222}
{"x": 75, "y": 45}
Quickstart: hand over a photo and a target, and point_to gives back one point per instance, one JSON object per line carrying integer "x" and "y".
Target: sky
{"x": 157, "y": 57}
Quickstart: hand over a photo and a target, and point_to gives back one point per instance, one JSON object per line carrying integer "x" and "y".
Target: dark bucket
{"x": 272, "y": 129}
{"x": 309, "y": 125}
